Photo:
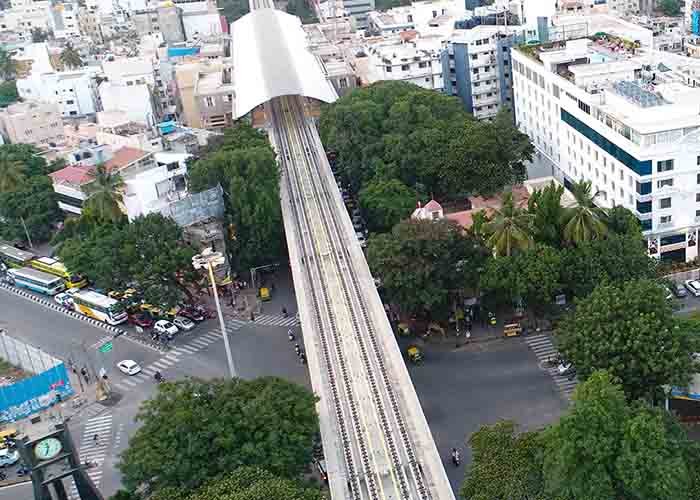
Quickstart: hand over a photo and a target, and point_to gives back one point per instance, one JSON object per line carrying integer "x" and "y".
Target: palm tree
{"x": 70, "y": 57}
{"x": 11, "y": 173}
{"x": 510, "y": 228}
{"x": 585, "y": 221}
{"x": 104, "y": 195}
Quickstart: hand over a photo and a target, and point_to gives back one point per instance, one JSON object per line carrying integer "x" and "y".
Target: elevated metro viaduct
{"x": 376, "y": 440}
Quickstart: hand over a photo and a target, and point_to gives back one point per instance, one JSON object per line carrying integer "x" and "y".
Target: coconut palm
{"x": 510, "y": 228}
{"x": 104, "y": 195}
{"x": 11, "y": 173}
{"x": 70, "y": 57}
{"x": 585, "y": 221}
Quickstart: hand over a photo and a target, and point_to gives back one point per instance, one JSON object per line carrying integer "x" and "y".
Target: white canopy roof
{"x": 271, "y": 59}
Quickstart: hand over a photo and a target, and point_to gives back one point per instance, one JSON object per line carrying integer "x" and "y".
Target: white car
{"x": 63, "y": 299}
{"x": 693, "y": 287}
{"x": 8, "y": 457}
{"x": 166, "y": 327}
{"x": 361, "y": 238}
{"x": 183, "y": 323}
{"x": 129, "y": 367}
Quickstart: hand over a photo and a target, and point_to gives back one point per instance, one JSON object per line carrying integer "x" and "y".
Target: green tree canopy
{"x": 504, "y": 465}
{"x": 670, "y": 7}
{"x": 194, "y": 430}
{"x": 424, "y": 139}
{"x": 149, "y": 251}
{"x": 33, "y": 201}
{"x": 234, "y": 9}
{"x": 510, "y": 228}
{"x": 70, "y": 57}
{"x": 584, "y": 221}
{"x": 8, "y": 66}
{"x": 105, "y": 194}
{"x": 8, "y": 93}
{"x": 630, "y": 331}
{"x": 547, "y": 214}
{"x": 386, "y": 202}
{"x": 245, "y": 483}
{"x": 532, "y": 275}
{"x": 244, "y": 165}
{"x": 604, "y": 449}
{"x": 421, "y": 261}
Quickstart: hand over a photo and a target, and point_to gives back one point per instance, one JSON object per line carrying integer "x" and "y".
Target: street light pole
{"x": 210, "y": 259}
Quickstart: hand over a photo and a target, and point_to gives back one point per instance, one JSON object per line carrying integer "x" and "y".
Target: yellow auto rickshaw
{"x": 264, "y": 293}
{"x": 404, "y": 330}
{"x": 415, "y": 355}
{"x": 6, "y": 434}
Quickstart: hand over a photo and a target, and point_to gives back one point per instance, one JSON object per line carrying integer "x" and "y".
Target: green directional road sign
{"x": 106, "y": 347}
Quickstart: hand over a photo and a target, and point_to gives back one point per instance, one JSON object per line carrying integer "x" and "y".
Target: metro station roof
{"x": 271, "y": 59}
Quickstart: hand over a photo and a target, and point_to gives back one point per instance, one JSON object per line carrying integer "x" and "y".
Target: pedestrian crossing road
{"x": 94, "y": 450}
{"x": 276, "y": 320}
{"x": 544, "y": 349}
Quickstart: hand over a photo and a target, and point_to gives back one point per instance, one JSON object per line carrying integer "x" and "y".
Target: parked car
{"x": 142, "y": 319}
{"x": 183, "y": 323}
{"x": 191, "y": 313}
{"x": 63, "y": 299}
{"x": 679, "y": 291}
{"x": 166, "y": 327}
{"x": 693, "y": 287}
{"x": 565, "y": 368}
{"x": 129, "y": 367}
{"x": 8, "y": 457}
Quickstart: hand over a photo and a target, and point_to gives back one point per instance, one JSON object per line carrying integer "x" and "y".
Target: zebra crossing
{"x": 276, "y": 320}
{"x": 544, "y": 349}
{"x": 94, "y": 450}
{"x": 103, "y": 340}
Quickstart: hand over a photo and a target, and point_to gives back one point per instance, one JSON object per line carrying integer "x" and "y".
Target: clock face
{"x": 47, "y": 448}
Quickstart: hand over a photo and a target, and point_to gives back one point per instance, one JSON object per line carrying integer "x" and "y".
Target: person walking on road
{"x": 290, "y": 335}
{"x": 96, "y": 440}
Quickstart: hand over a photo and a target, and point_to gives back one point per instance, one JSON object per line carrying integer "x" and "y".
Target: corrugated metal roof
{"x": 271, "y": 59}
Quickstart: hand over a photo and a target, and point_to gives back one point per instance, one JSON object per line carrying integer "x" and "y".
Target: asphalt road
{"x": 459, "y": 390}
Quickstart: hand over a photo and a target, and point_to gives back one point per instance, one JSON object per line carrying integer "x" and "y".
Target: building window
{"x": 665, "y": 203}
{"x": 664, "y": 183}
{"x": 664, "y": 166}
{"x": 388, "y": 69}
{"x": 405, "y": 67}
{"x": 665, "y": 219}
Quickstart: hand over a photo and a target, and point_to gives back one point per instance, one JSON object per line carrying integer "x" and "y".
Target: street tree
{"x": 670, "y": 7}
{"x": 385, "y": 203}
{"x": 105, "y": 194}
{"x": 485, "y": 156}
{"x": 533, "y": 275}
{"x": 246, "y": 169}
{"x": 70, "y": 57}
{"x": 614, "y": 260}
{"x": 12, "y": 173}
{"x": 547, "y": 214}
{"x": 32, "y": 205}
{"x": 420, "y": 262}
{"x": 603, "y": 448}
{"x": 630, "y": 331}
{"x": 149, "y": 251}
{"x": 510, "y": 228}
{"x": 621, "y": 220}
{"x": 217, "y": 426}
{"x": 8, "y": 93}
{"x": 584, "y": 221}
{"x": 245, "y": 483}
{"x": 505, "y": 464}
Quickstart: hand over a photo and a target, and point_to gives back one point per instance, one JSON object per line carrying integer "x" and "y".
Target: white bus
{"x": 98, "y": 306}
{"x": 37, "y": 281}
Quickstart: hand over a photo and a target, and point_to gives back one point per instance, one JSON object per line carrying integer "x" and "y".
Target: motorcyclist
{"x": 455, "y": 457}
{"x": 158, "y": 376}
{"x": 290, "y": 335}
{"x": 297, "y": 349}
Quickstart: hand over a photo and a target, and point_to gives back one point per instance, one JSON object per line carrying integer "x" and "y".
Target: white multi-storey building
{"x": 624, "y": 118}
{"x": 75, "y": 92}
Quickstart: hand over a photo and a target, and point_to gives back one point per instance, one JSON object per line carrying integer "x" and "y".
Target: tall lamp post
{"x": 209, "y": 260}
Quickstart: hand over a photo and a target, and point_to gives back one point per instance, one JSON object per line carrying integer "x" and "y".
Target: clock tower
{"x": 52, "y": 460}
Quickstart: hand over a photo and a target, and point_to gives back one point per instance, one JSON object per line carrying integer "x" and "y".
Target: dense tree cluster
{"x": 26, "y": 194}
{"x": 244, "y": 164}
{"x": 603, "y": 448}
{"x": 217, "y": 427}
{"x": 148, "y": 251}
{"x": 396, "y": 130}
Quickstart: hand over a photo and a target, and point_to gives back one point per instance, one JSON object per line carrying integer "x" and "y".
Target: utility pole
{"x": 26, "y": 232}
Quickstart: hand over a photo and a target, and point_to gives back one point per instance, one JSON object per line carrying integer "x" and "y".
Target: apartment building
{"x": 476, "y": 68}
{"x": 32, "y": 122}
{"x": 204, "y": 94}
{"x": 624, "y": 119}
{"x": 74, "y": 92}
{"x": 63, "y": 19}
{"x": 358, "y": 10}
